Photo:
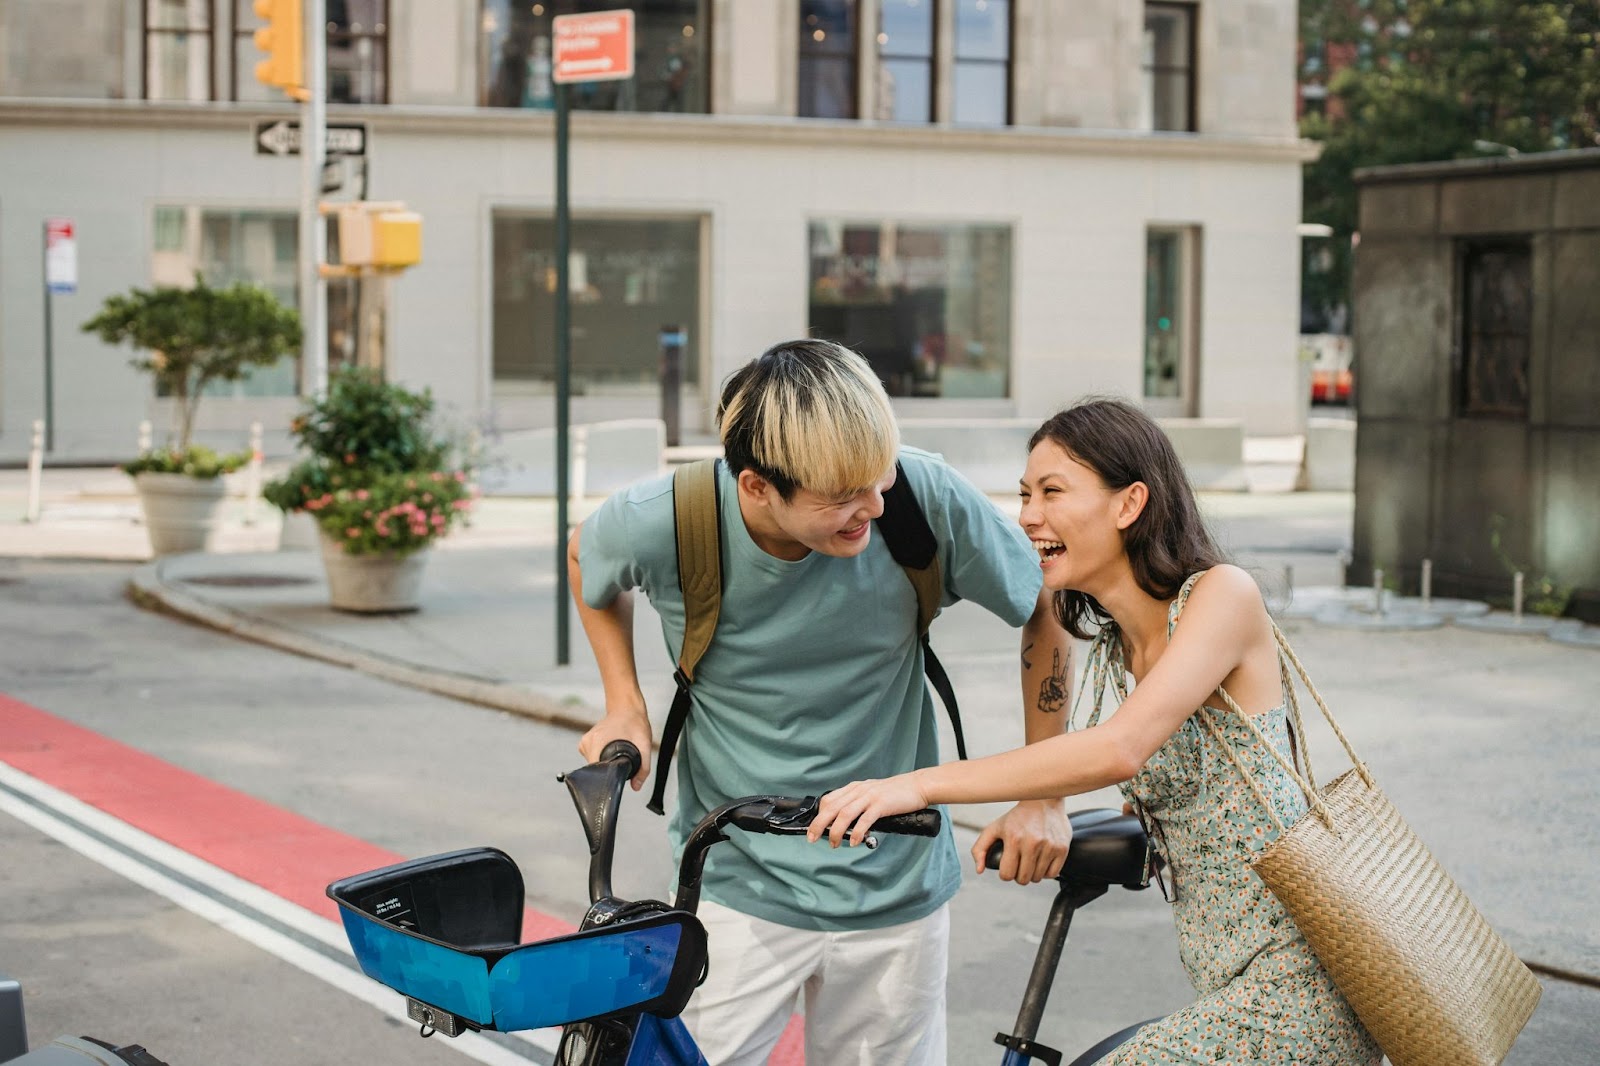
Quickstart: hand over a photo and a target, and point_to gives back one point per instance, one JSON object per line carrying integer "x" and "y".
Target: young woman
{"x": 1121, "y": 544}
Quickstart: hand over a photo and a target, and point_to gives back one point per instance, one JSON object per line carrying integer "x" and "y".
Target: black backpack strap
{"x": 910, "y": 540}
{"x": 697, "y": 513}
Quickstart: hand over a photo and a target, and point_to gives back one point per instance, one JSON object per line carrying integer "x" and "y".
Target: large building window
{"x": 905, "y": 60}
{"x": 358, "y": 53}
{"x": 1495, "y": 323}
{"x": 670, "y": 50}
{"x": 177, "y": 50}
{"x": 1169, "y": 323}
{"x": 62, "y": 48}
{"x": 1169, "y": 44}
{"x": 980, "y": 85}
{"x": 928, "y": 305}
{"x": 628, "y": 278}
{"x": 828, "y": 59}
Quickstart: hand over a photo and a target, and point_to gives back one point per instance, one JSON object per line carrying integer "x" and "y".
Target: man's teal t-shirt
{"x": 813, "y": 680}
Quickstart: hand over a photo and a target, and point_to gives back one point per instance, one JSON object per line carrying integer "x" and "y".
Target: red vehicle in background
{"x": 1329, "y": 357}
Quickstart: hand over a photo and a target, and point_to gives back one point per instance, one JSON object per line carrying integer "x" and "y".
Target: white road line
{"x": 43, "y": 799}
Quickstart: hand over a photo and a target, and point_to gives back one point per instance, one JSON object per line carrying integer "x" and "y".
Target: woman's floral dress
{"x": 1264, "y": 997}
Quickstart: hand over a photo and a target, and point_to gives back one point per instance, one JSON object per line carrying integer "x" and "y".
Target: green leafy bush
{"x": 187, "y": 338}
{"x": 196, "y": 461}
{"x": 380, "y": 477}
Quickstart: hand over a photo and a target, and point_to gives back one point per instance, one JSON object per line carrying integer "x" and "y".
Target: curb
{"x": 147, "y": 588}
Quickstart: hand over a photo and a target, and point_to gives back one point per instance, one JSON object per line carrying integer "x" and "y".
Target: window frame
{"x": 852, "y": 57}
{"x": 1186, "y": 404}
{"x": 931, "y": 59}
{"x": 147, "y": 32}
{"x": 1008, "y": 63}
{"x": 240, "y": 31}
{"x": 1462, "y": 405}
{"x": 1191, "y": 11}
{"x": 388, "y": 62}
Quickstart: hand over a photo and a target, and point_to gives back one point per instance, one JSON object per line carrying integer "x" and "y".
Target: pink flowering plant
{"x": 380, "y": 478}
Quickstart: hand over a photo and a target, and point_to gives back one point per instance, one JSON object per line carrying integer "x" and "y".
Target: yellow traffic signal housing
{"x": 396, "y": 239}
{"x": 375, "y": 237}
{"x": 283, "y": 41}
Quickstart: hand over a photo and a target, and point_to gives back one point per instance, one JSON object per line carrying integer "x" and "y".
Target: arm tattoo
{"x": 1026, "y": 665}
{"x": 1053, "y": 691}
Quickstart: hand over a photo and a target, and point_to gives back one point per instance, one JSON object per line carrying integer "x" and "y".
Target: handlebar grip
{"x": 991, "y": 861}
{"x": 623, "y": 749}
{"x": 924, "y": 823}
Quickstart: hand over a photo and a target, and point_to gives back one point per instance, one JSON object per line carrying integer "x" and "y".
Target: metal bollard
{"x": 35, "y": 469}
{"x": 252, "y": 496}
{"x": 1427, "y": 583}
{"x": 580, "y": 463}
{"x": 1516, "y": 597}
{"x": 673, "y": 340}
{"x": 1377, "y": 592}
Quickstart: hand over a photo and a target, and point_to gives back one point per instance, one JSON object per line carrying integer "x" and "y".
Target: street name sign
{"x": 60, "y": 256}
{"x": 282, "y": 137}
{"x": 597, "y": 46}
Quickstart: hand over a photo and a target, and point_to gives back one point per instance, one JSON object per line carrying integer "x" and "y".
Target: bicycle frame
{"x": 643, "y": 960}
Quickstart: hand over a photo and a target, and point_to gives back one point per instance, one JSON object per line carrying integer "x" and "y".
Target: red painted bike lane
{"x": 290, "y": 856}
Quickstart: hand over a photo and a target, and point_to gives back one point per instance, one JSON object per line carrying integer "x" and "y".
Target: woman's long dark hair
{"x": 1168, "y": 541}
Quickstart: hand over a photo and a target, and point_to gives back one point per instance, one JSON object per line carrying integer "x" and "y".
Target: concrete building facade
{"x": 1004, "y": 205}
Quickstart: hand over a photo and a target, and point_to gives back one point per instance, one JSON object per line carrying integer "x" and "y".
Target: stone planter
{"x": 372, "y": 584}
{"x": 182, "y": 513}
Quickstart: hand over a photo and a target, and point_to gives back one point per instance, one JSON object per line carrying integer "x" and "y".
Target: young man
{"x": 813, "y": 678}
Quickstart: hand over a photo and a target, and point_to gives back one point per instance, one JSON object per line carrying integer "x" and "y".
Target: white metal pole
{"x": 313, "y": 229}
{"x": 253, "y": 488}
{"x": 35, "y": 469}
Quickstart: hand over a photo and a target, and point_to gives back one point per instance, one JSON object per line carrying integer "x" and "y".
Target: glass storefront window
{"x": 980, "y": 84}
{"x": 670, "y": 58}
{"x": 628, "y": 278}
{"x": 1168, "y": 67}
{"x": 828, "y": 59}
{"x": 928, "y": 305}
{"x": 67, "y": 49}
{"x": 905, "y": 60}
{"x": 177, "y": 50}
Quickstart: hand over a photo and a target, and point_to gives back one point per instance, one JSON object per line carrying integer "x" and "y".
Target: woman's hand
{"x": 857, "y": 805}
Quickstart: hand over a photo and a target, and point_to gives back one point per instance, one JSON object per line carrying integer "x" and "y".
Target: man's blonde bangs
{"x": 830, "y": 429}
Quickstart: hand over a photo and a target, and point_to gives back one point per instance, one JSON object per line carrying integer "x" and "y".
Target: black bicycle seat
{"x": 1108, "y": 848}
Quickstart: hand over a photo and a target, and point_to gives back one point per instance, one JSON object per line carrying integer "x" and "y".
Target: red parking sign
{"x": 597, "y": 46}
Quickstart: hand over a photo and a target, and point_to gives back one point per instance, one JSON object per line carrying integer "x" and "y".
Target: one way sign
{"x": 282, "y": 137}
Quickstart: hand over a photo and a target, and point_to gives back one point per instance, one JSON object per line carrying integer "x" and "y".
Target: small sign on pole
{"x": 597, "y": 46}
{"x": 60, "y": 256}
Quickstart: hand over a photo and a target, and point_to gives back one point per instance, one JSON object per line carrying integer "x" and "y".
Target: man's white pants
{"x": 873, "y": 997}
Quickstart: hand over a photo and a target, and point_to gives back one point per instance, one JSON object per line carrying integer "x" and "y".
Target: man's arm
{"x": 1037, "y": 832}
{"x": 610, "y": 633}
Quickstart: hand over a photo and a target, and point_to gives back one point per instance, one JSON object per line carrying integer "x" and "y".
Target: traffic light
{"x": 282, "y": 38}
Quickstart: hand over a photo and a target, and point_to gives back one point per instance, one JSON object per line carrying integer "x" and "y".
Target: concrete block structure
{"x": 1478, "y": 368}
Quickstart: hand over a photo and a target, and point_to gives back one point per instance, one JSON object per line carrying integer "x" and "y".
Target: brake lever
{"x": 793, "y": 821}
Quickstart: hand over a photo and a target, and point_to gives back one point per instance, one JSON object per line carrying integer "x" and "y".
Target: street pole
{"x": 49, "y": 370}
{"x": 313, "y": 229}
{"x": 563, "y": 373}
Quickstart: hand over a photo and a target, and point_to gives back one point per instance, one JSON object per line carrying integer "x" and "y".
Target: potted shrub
{"x": 381, "y": 484}
{"x": 186, "y": 339}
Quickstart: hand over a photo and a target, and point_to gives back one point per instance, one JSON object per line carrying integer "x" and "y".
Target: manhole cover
{"x": 247, "y": 581}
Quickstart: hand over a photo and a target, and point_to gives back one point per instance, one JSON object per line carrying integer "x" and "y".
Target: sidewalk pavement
{"x": 1487, "y": 741}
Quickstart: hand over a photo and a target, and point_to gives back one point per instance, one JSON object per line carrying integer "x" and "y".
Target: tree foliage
{"x": 187, "y": 338}
{"x": 1431, "y": 80}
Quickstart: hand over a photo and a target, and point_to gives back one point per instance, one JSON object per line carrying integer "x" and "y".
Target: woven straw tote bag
{"x": 1431, "y": 981}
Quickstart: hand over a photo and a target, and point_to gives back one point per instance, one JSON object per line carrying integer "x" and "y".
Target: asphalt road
{"x": 101, "y": 955}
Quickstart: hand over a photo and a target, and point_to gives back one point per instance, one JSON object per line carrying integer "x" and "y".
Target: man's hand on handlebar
{"x": 853, "y": 809}
{"x": 632, "y": 725}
